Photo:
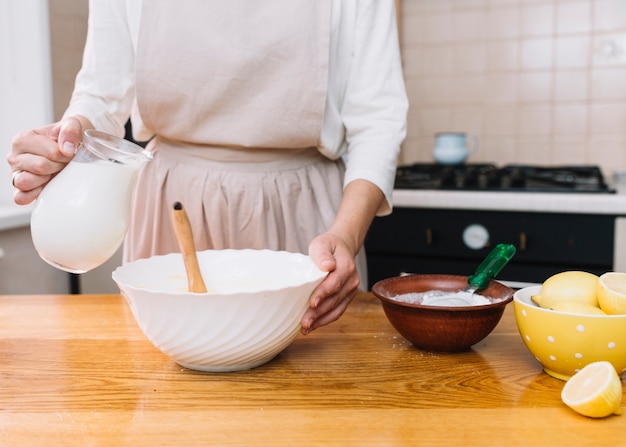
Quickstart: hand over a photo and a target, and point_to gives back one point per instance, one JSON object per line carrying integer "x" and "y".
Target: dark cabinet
{"x": 417, "y": 240}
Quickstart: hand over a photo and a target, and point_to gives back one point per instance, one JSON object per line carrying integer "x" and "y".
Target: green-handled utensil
{"x": 488, "y": 269}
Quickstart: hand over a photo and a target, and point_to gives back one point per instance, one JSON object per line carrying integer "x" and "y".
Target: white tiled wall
{"x": 538, "y": 81}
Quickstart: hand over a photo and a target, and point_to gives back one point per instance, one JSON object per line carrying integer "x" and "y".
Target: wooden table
{"x": 76, "y": 371}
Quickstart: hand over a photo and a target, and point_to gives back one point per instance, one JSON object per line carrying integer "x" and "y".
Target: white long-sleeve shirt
{"x": 366, "y": 106}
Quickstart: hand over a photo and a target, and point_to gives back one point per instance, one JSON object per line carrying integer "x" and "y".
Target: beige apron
{"x": 234, "y": 91}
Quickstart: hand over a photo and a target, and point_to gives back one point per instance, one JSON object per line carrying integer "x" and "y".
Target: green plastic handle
{"x": 492, "y": 265}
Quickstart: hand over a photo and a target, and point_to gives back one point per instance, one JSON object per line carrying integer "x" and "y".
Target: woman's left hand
{"x": 331, "y": 298}
{"x": 335, "y": 252}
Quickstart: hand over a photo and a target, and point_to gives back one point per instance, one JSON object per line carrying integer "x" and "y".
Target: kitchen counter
{"x": 589, "y": 203}
{"x": 76, "y": 371}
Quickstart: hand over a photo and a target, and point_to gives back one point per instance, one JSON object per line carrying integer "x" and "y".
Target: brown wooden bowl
{"x": 438, "y": 328}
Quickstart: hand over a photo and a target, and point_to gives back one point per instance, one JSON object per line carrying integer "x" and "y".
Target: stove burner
{"x": 489, "y": 177}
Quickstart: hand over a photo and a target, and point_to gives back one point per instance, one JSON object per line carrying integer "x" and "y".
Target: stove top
{"x": 489, "y": 177}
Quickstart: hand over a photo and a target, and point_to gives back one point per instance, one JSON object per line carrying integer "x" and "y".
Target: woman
{"x": 277, "y": 124}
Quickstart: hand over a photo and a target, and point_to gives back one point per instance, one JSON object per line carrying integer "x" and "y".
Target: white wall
{"x": 25, "y": 76}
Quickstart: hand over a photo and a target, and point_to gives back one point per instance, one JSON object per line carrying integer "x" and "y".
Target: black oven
{"x": 415, "y": 239}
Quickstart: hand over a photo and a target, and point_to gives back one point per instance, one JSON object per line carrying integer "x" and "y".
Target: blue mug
{"x": 452, "y": 148}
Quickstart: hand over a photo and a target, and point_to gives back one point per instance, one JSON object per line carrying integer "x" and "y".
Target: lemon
{"x": 570, "y": 286}
{"x": 578, "y": 308}
{"x": 612, "y": 292}
{"x": 594, "y": 391}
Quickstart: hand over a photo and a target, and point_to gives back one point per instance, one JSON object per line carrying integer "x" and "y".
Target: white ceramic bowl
{"x": 251, "y": 312}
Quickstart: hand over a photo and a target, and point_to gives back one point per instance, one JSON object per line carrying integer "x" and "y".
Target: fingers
{"x": 15, "y": 174}
{"x": 328, "y": 311}
{"x": 32, "y": 142}
{"x": 331, "y": 298}
{"x": 27, "y": 181}
{"x": 26, "y": 197}
{"x": 38, "y": 155}
{"x": 30, "y": 173}
{"x": 70, "y": 135}
{"x": 27, "y": 186}
{"x": 55, "y": 142}
{"x": 320, "y": 252}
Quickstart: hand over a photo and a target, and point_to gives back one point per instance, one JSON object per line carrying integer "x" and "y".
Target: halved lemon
{"x": 612, "y": 293}
{"x": 594, "y": 391}
{"x": 571, "y": 286}
{"x": 578, "y": 308}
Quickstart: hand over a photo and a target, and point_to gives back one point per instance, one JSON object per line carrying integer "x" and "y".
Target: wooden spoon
{"x": 182, "y": 228}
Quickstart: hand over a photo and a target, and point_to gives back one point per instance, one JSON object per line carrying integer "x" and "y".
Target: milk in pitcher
{"x": 64, "y": 226}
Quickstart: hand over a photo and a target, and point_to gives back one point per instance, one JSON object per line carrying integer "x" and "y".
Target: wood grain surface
{"x": 75, "y": 370}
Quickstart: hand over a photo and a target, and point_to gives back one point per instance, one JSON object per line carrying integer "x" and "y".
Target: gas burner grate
{"x": 489, "y": 177}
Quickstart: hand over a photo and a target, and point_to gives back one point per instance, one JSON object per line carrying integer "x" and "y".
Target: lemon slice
{"x": 570, "y": 286}
{"x": 612, "y": 293}
{"x": 594, "y": 391}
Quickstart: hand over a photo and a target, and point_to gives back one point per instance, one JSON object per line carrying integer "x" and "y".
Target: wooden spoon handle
{"x": 184, "y": 235}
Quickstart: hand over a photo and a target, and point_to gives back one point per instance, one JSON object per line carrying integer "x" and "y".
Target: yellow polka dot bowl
{"x": 565, "y": 342}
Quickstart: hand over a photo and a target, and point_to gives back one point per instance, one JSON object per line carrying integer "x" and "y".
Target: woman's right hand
{"x": 38, "y": 155}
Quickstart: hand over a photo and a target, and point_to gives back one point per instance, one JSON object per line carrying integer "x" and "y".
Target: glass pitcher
{"x": 82, "y": 215}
